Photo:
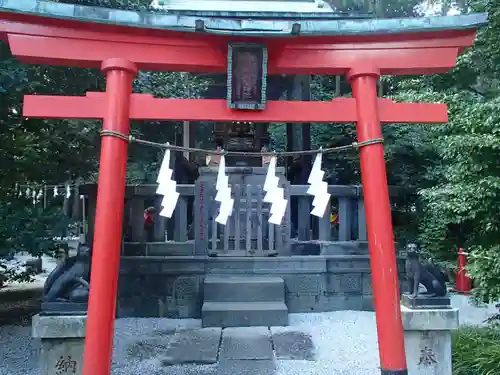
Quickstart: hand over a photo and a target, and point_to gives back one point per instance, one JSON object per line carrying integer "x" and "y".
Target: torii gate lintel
{"x": 146, "y": 107}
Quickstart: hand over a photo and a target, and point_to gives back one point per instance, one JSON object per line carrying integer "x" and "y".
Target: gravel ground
{"x": 345, "y": 344}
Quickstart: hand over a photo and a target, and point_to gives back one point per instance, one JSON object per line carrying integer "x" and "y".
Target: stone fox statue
{"x": 69, "y": 281}
{"x": 425, "y": 273}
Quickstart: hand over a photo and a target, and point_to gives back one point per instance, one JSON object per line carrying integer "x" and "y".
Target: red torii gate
{"x": 146, "y": 107}
{"x": 121, "y": 50}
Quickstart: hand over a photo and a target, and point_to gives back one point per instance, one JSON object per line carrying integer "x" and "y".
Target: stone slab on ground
{"x": 292, "y": 345}
{"x": 246, "y": 343}
{"x": 153, "y": 368}
{"x": 199, "y": 346}
{"x": 246, "y": 367}
{"x": 144, "y": 349}
{"x": 244, "y": 314}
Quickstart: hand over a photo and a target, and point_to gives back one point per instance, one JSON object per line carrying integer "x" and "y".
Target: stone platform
{"x": 173, "y": 286}
{"x": 242, "y": 301}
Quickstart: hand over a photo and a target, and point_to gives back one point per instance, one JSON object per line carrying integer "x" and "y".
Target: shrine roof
{"x": 284, "y": 9}
{"x": 244, "y": 23}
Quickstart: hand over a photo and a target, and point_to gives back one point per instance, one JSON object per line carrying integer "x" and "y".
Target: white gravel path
{"x": 345, "y": 344}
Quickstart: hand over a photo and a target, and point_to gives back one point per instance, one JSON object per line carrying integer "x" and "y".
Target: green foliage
{"x": 38, "y": 152}
{"x": 460, "y": 185}
{"x": 14, "y": 271}
{"x": 143, "y": 161}
{"x": 31, "y": 228}
{"x": 454, "y": 166}
{"x": 342, "y": 167}
{"x": 484, "y": 268}
{"x": 476, "y": 351}
{"x": 25, "y": 227}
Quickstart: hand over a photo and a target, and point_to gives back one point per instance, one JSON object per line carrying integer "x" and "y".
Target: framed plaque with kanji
{"x": 246, "y": 76}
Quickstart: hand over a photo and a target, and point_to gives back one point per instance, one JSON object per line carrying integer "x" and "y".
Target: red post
{"x": 379, "y": 224}
{"x": 463, "y": 282}
{"x": 108, "y": 220}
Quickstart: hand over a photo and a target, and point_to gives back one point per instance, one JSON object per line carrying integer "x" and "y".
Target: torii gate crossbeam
{"x": 146, "y": 107}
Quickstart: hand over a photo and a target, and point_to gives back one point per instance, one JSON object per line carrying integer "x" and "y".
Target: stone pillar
{"x": 160, "y": 225}
{"x": 61, "y": 343}
{"x": 137, "y": 218}
{"x": 362, "y": 234}
{"x": 91, "y": 206}
{"x": 185, "y": 137}
{"x": 428, "y": 339}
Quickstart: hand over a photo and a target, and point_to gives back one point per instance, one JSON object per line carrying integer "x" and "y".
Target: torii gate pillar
{"x": 384, "y": 268}
{"x": 120, "y": 74}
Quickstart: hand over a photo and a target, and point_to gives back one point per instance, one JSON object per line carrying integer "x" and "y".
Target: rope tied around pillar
{"x": 112, "y": 133}
{"x": 329, "y": 150}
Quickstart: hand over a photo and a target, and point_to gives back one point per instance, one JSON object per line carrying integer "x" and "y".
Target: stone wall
{"x": 187, "y": 248}
{"x": 173, "y": 286}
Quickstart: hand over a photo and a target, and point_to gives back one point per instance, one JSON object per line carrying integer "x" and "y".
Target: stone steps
{"x": 244, "y": 301}
{"x": 244, "y": 314}
{"x": 243, "y": 289}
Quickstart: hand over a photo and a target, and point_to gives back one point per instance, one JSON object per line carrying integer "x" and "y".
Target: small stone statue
{"x": 425, "y": 273}
{"x": 69, "y": 281}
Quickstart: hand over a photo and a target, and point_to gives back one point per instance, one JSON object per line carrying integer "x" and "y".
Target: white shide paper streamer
{"x": 274, "y": 194}
{"x": 223, "y": 194}
{"x": 318, "y": 188}
{"x": 167, "y": 187}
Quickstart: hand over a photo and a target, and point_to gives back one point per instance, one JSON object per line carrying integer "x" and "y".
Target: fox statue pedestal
{"x": 425, "y": 301}
{"x": 61, "y": 324}
{"x": 62, "y": 340}
{"x": 428, "y": 334}
{"x": 428, "y": 318}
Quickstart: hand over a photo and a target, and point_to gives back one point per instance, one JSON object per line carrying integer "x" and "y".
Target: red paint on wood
{"x": 34, "y": 41}
{"x": 389, "y": 61}
{"x": 108, "y": 220}
{"x": 463, "y": 281}
{"x": 90, "y": 53}
{"x": 379, "y": 225}
{"x": 145, "y": 107}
